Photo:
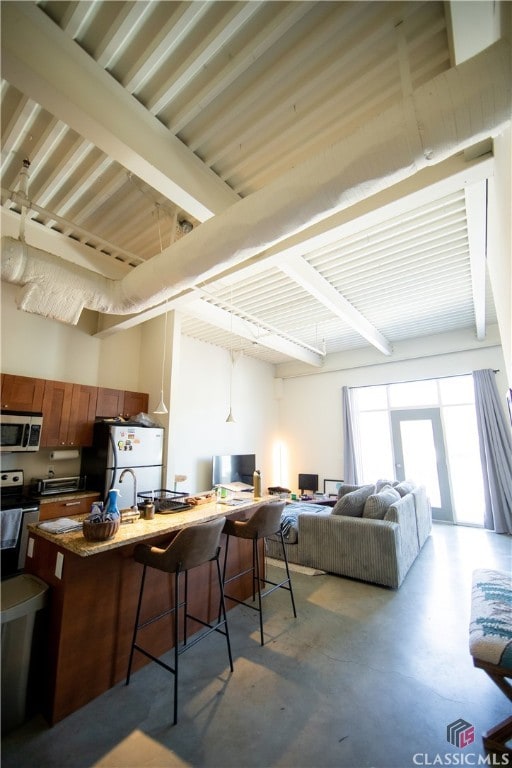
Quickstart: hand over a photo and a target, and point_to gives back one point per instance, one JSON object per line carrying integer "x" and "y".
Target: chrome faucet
{"x": 132, "y": 473}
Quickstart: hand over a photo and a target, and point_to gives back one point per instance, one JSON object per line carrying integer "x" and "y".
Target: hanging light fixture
{"x": 230, "y": 419}
{"x": 161, "y": 407}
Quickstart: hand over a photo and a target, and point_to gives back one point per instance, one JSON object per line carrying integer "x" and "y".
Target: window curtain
{"x": 349, "y": 449}
{"x": 495, "y": 452}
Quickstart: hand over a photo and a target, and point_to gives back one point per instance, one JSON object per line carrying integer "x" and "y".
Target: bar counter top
{"x": 140, "y": 530}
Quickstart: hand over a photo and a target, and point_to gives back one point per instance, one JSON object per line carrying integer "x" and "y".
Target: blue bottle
{"x": 111, "y": 509}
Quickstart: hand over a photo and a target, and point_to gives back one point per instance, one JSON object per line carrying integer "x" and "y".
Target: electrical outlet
{"x": 58, "y": 565}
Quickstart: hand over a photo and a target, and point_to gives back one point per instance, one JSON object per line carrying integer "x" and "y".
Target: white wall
{"x": 499, "y": 245}
{"x": 310, "y": 413}
{"x": 35, "y": 346}
{"x": 132, "y": 359}
{"x": 201, "y": 405}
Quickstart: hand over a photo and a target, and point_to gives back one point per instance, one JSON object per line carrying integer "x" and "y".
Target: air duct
{"x": 453, "y": 111}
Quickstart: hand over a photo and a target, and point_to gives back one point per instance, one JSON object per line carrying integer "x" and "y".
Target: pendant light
{"x": 161, "y": 407}
{"x": 230, "y": 419}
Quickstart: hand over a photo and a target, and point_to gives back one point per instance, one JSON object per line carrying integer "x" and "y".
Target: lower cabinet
{"x": 67, "y": 506}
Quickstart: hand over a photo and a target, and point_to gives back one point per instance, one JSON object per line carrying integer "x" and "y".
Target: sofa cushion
{"x": 347, "y": 488}
{"x": 352, "y": 504}
{"x": 376, "y": 505}
{"x": 382, "y": 483}
{"x": 406, "y": 486}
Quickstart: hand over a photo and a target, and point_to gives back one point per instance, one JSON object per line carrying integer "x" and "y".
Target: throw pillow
{"x": 405, "y": 487}
{"x": 381, "y": 484}
{"x": 352, "y": 504}
{"x": 347, "y": 488}
{"x": 377, "y": 504}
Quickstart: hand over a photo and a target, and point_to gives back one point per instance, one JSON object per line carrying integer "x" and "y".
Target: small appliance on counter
{"x": 52, "y": 486}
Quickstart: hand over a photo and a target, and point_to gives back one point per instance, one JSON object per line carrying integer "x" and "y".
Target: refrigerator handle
{"x": 114, "y": 459}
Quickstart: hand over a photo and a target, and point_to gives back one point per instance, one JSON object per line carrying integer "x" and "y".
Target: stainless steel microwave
{"x": 20, "y": 431}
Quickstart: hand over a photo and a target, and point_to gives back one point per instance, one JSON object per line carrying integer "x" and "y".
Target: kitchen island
{"x": 93, "y": 594}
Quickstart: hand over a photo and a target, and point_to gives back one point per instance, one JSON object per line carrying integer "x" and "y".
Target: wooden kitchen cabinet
{"x": 134, "y": 403}
{"x": 56, "y": 413}
{"x": 22, "y": 393}
{"x": 83, "y": 412}
{"x": 68, "y": 414}
{"x": 69, "y": 410}
{"x": 110, "y": 403}
{"x": 66, "y": 506}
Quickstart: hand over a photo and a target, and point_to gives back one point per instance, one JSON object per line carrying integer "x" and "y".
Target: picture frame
{"x": 331, "y": 487}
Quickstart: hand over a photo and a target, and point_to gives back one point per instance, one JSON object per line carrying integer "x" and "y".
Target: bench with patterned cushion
{"x": 490, "y": 642}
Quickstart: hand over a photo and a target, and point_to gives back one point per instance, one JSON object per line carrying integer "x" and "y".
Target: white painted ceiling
{"x": 210, "y": 103}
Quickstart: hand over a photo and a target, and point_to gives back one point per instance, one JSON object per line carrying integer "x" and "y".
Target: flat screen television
{"x": 308, "y": 483}
{"x": 236, "y": 468}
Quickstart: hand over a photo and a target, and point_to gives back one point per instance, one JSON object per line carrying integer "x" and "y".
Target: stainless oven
{"x": 20, "y": 431}
{"x": 17, "y": 511}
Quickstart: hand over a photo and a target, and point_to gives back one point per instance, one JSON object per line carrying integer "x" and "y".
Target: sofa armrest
{"x": 423, "y": 513}
{"x": 352, "y": 546}
{"x": 403, "y": 512}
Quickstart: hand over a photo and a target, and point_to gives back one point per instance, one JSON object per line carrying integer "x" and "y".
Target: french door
{"x": 419, "y": 454}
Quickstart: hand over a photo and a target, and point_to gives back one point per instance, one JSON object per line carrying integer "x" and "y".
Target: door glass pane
{"x": 464, "y": 459}
{"x": 413, "y": 393}
{"x": 375, "y": 440}
{"x": 419, "y": 453}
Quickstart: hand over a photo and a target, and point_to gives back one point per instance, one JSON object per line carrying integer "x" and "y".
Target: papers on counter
{"x": 60, "y": 525}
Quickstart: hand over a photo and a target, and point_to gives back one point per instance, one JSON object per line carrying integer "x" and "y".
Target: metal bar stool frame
{"x": 143, "y": 551}
{"x": 265, "y": 521}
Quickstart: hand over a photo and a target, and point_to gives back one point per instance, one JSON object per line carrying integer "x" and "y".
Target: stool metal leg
{"x": 136, "y": 626}
{"x": 177, "y": 639}
{"x": 256, "y": 569}
{"x": 258, "y": 580}
{"x": 288, "y": 572}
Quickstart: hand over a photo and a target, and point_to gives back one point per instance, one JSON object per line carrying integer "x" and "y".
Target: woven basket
{"x": 100, "y": 531}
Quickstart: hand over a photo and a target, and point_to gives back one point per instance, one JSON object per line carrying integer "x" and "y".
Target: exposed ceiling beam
{"x": 306, "y": 276}
{"x": 41, "y": 61}
{"x": 424, "y": 187}
{"x": 472, "y": 27}
{"x": 220, "y": 318}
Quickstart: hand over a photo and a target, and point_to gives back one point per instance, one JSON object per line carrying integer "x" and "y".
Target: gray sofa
{"x": 372, "y": 533}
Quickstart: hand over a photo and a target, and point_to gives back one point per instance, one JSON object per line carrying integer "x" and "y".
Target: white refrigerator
{"x": 121, "y": 446}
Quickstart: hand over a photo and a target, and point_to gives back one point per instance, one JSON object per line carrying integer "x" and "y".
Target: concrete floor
{"x": 365, "y": 676}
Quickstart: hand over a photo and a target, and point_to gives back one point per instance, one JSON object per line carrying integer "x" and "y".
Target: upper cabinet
{"x": 56, "y": 413}
{"x": 22, "y": 393}
{"x": 110, "y": 403}
{"x": 134, "y": 403}
{"x": 117, "y": 402}
{"x": 69, "y": 410}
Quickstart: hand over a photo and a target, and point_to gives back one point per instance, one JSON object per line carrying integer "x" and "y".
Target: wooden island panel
{"x": 92, "y": 611}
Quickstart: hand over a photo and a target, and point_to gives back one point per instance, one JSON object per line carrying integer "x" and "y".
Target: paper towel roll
{"x": 59, "y": 455}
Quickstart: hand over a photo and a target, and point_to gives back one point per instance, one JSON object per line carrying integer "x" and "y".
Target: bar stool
{"x": 191, "y": 548}
{"x": 265, "y": 521}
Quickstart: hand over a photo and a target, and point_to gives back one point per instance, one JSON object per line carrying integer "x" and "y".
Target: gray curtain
{"x": 495, "y": 452}
{"x": 349, "y": 454}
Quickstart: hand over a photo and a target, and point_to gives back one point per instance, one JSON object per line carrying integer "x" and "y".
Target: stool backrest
{"x": 266, "y": 520}
{"x": 192, "y": 546}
